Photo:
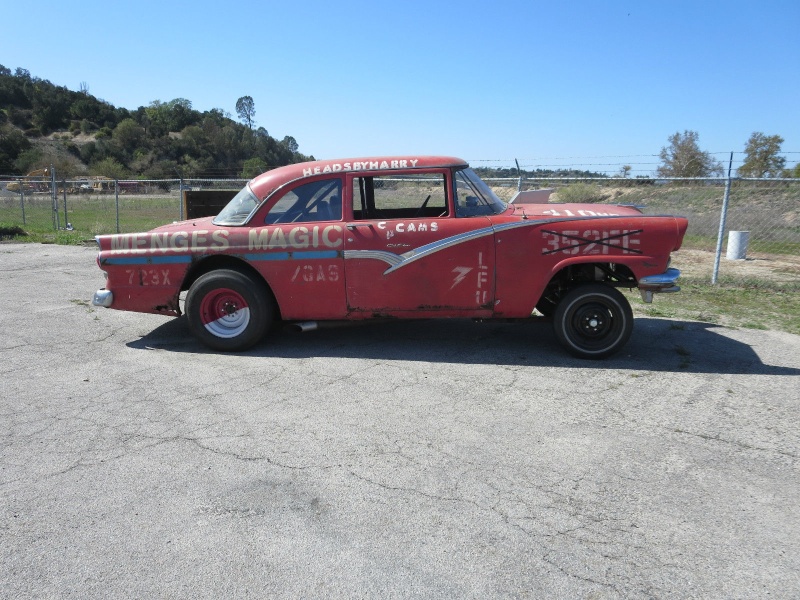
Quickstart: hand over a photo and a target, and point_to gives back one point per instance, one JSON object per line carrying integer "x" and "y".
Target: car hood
{"x": 551, "y": 210}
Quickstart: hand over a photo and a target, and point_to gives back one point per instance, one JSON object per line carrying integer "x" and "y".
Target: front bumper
{"x": 103, "y": 298}
{"x": 659, "y": 284}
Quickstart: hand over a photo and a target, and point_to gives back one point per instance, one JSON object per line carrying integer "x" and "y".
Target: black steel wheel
{"x": 593, "y": 321}
{"x": 229, "y": 310}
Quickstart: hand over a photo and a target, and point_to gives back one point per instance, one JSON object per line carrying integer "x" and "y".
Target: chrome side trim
{"x": 389, "y": 258}
{"x": 524, "y": 223}
{"x": 434, "y": 247}
{"x": 397, "y": 261}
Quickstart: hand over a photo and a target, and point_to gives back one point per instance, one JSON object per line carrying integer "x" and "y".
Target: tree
{"x": 29, "y": 159}
{"x": 290, "y": 144}
{"x": 12, "y": 144}
{"x": 164, "y": 117}
{"x": 683, "y": 158}
{"x": 129, "y": 135}
{"x": 109, "y": 167}
{"x": 245, "y": 108}
{"x": 253, "y": 167}
{"x": 762, "y": 156}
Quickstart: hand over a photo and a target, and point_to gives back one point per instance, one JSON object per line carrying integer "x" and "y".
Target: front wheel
{"x": 229, "y": 310}
{"x": 593, "y": 321}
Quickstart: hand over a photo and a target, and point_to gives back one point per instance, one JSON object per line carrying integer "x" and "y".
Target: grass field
{"x": 758, "y": 293}
{"x": 88, "y": 215}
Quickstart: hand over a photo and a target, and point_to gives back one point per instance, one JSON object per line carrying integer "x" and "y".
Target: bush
{"x": 11, "y": 231}
{"x": 582, "y": 193}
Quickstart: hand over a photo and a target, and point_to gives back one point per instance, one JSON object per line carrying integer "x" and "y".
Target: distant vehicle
{"x": 101, "y": 183}
{"x": 397, "y": 237}
{"x": 130, "y": 187}
{"x": 35, "y": 181}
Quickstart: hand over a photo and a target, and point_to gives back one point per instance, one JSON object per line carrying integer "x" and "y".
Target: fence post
{"x": 54, "y": 198}
{"x": 66, "y": 220}
{"x": 116, "y": 200}
{"x": 22, "y": 199}
{"x": 180, "y": 199}
{"x": 722, "y": 219}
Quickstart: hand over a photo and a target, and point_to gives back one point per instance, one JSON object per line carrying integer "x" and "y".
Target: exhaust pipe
{"x": 306, "y": 326}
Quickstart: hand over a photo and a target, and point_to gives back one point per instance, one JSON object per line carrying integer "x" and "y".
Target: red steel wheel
{"x": 229, "y": 310}
{"x": 224, "y": 313}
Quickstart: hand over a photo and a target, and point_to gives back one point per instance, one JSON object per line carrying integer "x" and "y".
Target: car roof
{"x": 264, "y": 184}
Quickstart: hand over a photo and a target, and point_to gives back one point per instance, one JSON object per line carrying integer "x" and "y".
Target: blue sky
{"x": 588, "y": 84}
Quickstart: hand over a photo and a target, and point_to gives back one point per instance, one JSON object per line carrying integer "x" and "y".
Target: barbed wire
{"x": 605, "y": 164}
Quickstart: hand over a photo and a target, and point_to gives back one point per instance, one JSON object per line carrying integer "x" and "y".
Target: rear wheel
{"x": 593, "y": 321}
{"x": 229, "y": 310}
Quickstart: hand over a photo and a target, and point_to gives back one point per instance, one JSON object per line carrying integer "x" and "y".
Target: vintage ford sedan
{"x": 393, "y": 237}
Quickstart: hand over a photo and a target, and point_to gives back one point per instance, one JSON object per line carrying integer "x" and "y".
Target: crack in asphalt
{"x": 744, "y": 446}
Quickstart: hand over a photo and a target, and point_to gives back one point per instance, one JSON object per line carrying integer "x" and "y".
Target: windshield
{"x": 238, "y": 209}
{"x": 475, "y": 198}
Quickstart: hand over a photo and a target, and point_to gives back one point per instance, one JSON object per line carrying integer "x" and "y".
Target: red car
{"x": 400, "y": 237}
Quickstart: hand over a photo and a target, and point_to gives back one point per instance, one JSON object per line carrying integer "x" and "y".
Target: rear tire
{"x": 593, "y": 321}
{"x": 228, "y": 310}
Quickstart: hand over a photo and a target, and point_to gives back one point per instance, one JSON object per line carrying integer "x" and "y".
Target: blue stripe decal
{"x": 180, "y": 259}
{"x": 315, "y": 255}
{"x": 295, "y": 255}
{"x": 147, "y": 260}
{"x": 268, "y": 256}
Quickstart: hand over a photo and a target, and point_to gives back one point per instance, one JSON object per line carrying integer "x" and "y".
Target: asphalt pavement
{"x": 433, "y": 459}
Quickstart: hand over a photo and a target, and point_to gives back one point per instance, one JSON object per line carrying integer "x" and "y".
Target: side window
{"x": 314, "y": 201}
{"x": 419, "y": 195}
{"x": 469, "y": 200}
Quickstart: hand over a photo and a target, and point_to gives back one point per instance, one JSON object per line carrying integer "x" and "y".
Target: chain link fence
{"x": 99, "y": 206}
{"x": 753, "y": 239}
{"x": 761, "y": 217}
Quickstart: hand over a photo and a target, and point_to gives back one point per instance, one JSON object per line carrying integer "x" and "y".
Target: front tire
{"x": 593, "y": 321}
{"x": 228, "y": 310}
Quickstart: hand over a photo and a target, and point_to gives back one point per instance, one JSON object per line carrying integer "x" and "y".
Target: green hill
{"x": 42, "y": 124}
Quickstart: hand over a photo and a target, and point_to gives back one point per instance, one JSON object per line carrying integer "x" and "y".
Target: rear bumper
{"x": 103, "y": 298}
{"x": 659, "y": 284}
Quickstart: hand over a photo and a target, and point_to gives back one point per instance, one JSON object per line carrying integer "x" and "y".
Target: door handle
{"x": 352, "y": 226}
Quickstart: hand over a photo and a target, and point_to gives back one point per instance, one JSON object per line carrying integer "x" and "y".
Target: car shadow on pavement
{"x": 656, "y": 345}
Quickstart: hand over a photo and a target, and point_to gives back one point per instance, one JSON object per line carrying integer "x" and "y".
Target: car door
{"x": 406, "y": 253}
{"x": 297, "y": 245}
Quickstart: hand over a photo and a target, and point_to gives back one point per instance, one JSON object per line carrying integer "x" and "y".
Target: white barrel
{"x": 737, "y": 245}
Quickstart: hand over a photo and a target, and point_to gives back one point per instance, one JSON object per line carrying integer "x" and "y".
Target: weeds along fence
{"x": 762, "y": 213}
